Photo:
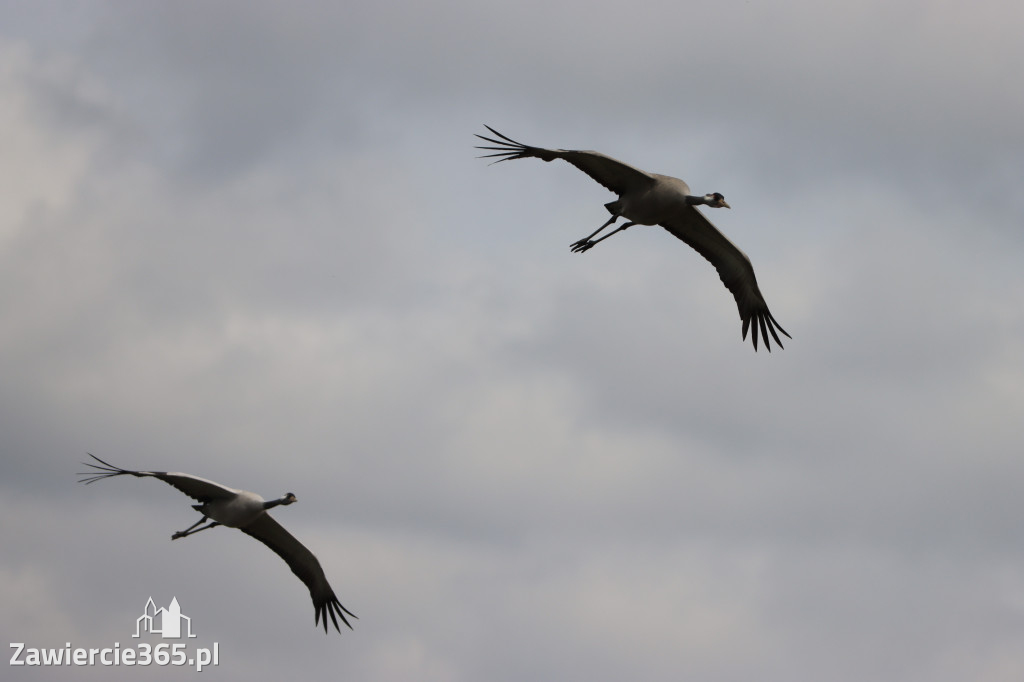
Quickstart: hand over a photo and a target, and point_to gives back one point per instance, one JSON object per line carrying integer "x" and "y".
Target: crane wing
{"x": 610, "y": 173}
{"x": 199, "y": 489}
{"x": 303, "y": 564}
{"x": 733, "y": 267}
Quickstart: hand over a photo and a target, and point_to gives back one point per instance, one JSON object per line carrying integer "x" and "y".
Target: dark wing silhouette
{"x": 733, "y": 267}
{"x": 199, "y": 489}
{"x": 612, "y": 174}
{"x": 303, "y": 564}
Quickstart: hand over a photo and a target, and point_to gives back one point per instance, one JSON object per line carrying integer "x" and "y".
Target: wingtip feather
{"x": 333, "y": 608}
{"x": 106, "y": 469}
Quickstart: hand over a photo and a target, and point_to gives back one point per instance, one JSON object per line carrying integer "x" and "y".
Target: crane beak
{"x": 725, "y": 205}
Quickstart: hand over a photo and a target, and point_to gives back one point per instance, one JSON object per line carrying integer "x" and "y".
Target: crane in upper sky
{"x": 653, "y": 199}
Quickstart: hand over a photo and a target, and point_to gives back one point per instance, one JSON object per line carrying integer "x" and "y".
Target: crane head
{"x": 289, "y": 498}
{"x": 716, "y": 200}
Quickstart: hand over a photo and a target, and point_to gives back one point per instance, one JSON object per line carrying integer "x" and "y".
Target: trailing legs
{"x": 189, "y": 531}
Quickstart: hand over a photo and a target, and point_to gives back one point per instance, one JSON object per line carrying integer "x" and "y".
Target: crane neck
{"x": 715, "y": 200}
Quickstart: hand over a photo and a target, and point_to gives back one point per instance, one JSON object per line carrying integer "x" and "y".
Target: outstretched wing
{"x": 612, "y": 174}
{"x": 733, "y": 267}
{"x": 199, "y": 489}
{"x": 303, "y": 564}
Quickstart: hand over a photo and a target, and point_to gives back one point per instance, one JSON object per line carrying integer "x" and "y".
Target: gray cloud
{"x": 252, "y": 243}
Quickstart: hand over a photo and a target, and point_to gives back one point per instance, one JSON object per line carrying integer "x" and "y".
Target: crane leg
{"x": 586, "y": 240}
{"x": 584, "y": 244}
{"x": 189, "y": 531}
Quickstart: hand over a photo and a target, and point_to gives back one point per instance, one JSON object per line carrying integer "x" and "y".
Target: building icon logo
{"x": 164, "y": 622}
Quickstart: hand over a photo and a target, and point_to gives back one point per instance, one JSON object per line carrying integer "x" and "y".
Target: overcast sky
{"x": 251, "y": 241}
